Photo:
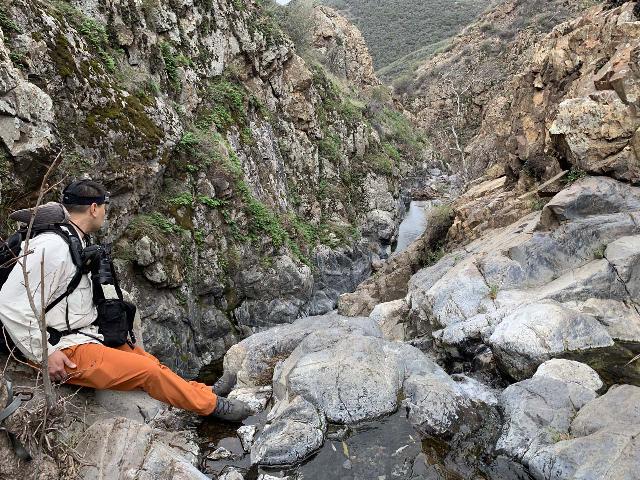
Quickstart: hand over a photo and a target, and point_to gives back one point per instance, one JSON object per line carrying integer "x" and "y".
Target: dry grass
{"x": 50, "y": 434}
{"x": 45, "y": 431}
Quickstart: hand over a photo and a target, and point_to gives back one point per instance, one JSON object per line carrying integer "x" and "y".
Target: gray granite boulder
{"x": 537, "y": 332}
{"x": 118, "y": 448}
{"x": 254, "y": 358}
{"x": 590, "y": 196}
{"x": 295, "y": 430}
{"x": 570, "y": 371}
{"x": 603, "y": 441}
{"x": 134, "y": 405}
{"x": 624, "y": 256}
{"x": 350, "y": 378}
{"x": 538, "y": 411}
{"x": 621, "y": 319}
{"x": 391, "y": 317}
{"x": 355, "y": 378}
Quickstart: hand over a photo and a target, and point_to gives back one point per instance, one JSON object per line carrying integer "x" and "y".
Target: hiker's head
{"x": 86, "y": 201}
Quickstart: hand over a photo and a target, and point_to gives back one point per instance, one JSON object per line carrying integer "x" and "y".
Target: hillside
{"x": 452, "y": 92}
{"x": 394, "y": 28}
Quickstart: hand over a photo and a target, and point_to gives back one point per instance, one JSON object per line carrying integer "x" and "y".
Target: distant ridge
{"x": 395, "y": 28}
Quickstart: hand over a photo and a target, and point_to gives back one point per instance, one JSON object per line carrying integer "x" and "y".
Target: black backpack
{"x": 10, "y": 251}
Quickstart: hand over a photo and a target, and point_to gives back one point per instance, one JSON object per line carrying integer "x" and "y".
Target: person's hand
{"x": 57, "y": 362}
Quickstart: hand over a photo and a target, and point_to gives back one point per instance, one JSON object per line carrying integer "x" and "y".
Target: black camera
{"x": 96, "y": 259}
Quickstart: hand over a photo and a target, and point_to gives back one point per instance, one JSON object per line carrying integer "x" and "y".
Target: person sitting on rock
{"x": 79, "y": 357}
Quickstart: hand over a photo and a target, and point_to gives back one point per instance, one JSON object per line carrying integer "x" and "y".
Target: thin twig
{"x": 16, "y": 259}
{"x": 40, "y": 314}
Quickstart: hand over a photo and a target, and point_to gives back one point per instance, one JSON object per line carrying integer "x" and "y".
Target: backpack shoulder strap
{"x": 70, "y": 236}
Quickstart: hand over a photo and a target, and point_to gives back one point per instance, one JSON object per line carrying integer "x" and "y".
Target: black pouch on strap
{"x": 115, "y": 315}
{"x": 115, "y": 321}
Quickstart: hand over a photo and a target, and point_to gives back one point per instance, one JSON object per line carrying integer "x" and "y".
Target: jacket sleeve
{"x": 16, "y": 312}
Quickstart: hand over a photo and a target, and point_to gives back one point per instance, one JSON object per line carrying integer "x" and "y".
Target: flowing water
{"x": 414, "y": 224}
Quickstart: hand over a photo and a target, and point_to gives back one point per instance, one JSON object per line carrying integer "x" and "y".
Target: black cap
{"x": 71, "y": 195}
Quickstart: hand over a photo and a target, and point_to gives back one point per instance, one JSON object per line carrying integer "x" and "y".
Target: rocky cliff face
{"x": 342, "y": 46}
{"x": 248, "y": 187}
{"x": 570, "y": 108}
{"x": 454, "y": 92}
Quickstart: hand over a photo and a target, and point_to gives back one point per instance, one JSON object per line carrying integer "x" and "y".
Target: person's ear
{"x": 93, "y": 209}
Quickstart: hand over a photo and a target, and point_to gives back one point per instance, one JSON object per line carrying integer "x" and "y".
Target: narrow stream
{"x": 414, "y": 224}
{"x": 383, "y": 449}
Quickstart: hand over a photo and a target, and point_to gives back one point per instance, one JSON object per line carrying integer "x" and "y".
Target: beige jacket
{"x": 16, "y": 313}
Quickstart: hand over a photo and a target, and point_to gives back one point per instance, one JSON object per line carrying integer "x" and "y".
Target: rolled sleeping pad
{"x": 52, "y": 212}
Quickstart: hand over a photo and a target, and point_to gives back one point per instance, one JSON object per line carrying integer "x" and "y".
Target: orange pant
{"x": 124, "y": 368}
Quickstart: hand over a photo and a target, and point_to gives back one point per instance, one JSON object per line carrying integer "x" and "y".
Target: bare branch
{"x": 40, "y": 314}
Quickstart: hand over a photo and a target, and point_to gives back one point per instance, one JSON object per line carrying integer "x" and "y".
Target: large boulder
{"x": 592, "y": 131}
{"x": 116, "y": 448}
{"x": 391, "y": 318}
{"x": 295, "y": 430}
{"x": 590, "y": 196}
{"x": 538, "y": 411}
{"x": 357, "y": 378}
{"x": 602, "y": 443}
{"x": 253, "y": 359}
{"x": 540, "y": 331}
{"x": 350, "y": 378}
{"x": 26, "y": 111}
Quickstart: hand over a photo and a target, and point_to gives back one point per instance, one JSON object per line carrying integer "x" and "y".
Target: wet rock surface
{"x": 542, "y": 287}
{"x": 538, "y": 316}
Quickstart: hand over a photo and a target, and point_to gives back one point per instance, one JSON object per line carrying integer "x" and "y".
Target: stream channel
{"x": 383, "y": 449}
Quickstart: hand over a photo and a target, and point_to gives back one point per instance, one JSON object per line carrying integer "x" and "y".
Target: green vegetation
{"x": 93, "y": 31}
{"x": 7, "y": 23}
{"x": 433, "y": 256}
{"x": 575, "y": 174}
{"x": 537, "y": 203}
{"x": 395, "y": 28}
{"x": 493, "y": 292}
{"x": 184, "y": 199}
{"x": 598, "y": 253}
{"x": 296, "y": 20}
{"x": 18, "y": 58}
{"x": 400, "y": 73}
{"x": 329, "y": 147}
{"x": 211, "y": 202}
{"x": 155, "y": 225}
{"x": 439, "y": 221}
{"x": 127, "y": 115}
{"x": 266, "y": 20}
{"x": 227, "y": 102}
{"x": 172, "y": 61}
{"x": 380, "y": 162}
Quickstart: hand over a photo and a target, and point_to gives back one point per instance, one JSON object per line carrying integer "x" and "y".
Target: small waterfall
{"x": 414, "y": 223}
